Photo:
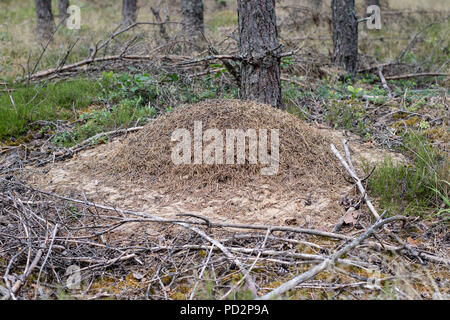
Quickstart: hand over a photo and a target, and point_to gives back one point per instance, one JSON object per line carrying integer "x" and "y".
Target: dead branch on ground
{"x": 56, "y": 232}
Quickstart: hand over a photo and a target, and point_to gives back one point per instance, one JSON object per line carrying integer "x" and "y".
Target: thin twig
{"x": 357, "y": 180}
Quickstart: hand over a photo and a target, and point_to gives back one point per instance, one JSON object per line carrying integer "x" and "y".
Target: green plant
{"x": 355, "y": 92}
{"x": 119, "y": 86}
{"x": 47, "y": 101}
{"x": 286, "y": 62}
{"x": 347, "y": 115}
{"x": 415, "y": 188}
{"x": 128, "y": 112}
{"x": 445, "y": 198}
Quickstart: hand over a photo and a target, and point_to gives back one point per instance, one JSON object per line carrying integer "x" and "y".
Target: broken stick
{"x": 349, "y": 167}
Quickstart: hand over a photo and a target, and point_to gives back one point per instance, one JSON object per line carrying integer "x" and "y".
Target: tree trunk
{"x": 260, "y": 50}
{"x": 45, "y": 25}
{"x": 129, "y": 12}
{"x": 192, "y": 20}
{"x": 62, "y": 10}
{"x": 345, "y": 34}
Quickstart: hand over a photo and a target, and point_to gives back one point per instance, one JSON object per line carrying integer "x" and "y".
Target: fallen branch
{"x": 191, "y": 296}
{"x": 86, "y": 142}
{"x": 209, "y": 58}
{"x": 227, "y": 57}
{"x": 383, "y": 81}
{"x": 99, "y": 240}
{"x": 292, "y": 81}
{"x": 74, "y": 66}
{"x": 382, "y": 65}
{"x": 415, "y": 75}
{"x": 29, "y": 268}
{"x": 349, "y": 167}
{"x": 63, "y": 154}
{"x": 328, "y": 261}
{"x": 250, "y": 281}
{"x": 227, "y": 64}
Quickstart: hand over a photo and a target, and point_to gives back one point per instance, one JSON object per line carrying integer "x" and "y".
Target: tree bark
{"x": 345, "y": 34}
{"x": 260, "y": 51}
{"x": 62, "y": 10}
{"x": 129, "y": 12}
{"x": 192, "y": 20}
{"x": 45, "y": 26}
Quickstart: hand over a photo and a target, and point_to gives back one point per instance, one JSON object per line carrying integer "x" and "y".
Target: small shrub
{"x": 418, "y": 188}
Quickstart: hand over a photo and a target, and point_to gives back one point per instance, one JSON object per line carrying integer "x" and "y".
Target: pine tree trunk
{"x": 260, "y": 50}
{"x": 192, "y": 21}
{"x": 345, "y": 34}
{"x": 62, "y": 10}
{"x": 129, "y": 12}
{"x": 45, "y": 25}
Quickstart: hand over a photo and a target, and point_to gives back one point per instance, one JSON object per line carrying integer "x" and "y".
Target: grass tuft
{"x": 418, "y": 188}
{"x": 51, "y": 101}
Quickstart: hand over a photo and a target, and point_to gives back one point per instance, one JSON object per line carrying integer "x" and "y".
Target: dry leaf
{"x": 351, "y": 216}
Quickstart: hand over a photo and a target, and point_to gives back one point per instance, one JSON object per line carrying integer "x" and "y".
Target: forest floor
{"x": 53, "y": 128}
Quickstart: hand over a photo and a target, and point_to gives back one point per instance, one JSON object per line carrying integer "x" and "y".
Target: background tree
{"x": 316, "y": 5}
{"x": 62, "y": 10}
{"x": 192, "y": 20}
{"x": 345, "y": 34}
{"x": 45, "y": 25}
{"x": 259, "y": 48}
{"x": 129, "y": 12}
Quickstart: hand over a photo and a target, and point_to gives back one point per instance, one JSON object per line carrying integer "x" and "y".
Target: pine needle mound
{"x": 305, "y": 159}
